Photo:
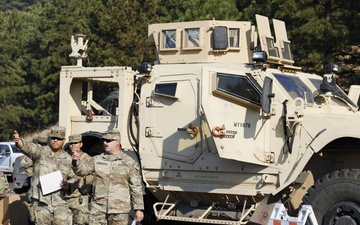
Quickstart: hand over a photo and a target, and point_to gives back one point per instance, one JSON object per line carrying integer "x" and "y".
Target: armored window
{"x": 272, "y": 50}
{"x": 168, "y": 39}
{"x": 192, "y": 38}
{"x": 295, "y": 87}
{"x": 168, "y": 90}
{"x": 237, "y": 86}
{"x": 234, "y": 38}
{"x": 286, "y": 51}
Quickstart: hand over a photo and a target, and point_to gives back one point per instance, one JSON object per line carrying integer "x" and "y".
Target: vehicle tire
{"x": 335, "y": 198}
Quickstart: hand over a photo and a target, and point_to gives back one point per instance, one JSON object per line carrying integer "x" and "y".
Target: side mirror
{"x": 267, "y": 95}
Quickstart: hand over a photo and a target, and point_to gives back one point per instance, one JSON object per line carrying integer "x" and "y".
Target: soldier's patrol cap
{"x": 111, "y": 134}
{"x": 57, "y": 131}
{"x": 75, "y": 138}
{"x": 42, "y": 138}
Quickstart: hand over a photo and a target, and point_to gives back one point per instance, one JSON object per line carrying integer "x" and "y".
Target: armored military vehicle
{"x": 224, "y": 124}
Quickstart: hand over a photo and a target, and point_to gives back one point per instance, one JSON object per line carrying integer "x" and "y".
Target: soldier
{"x": 79, "y": 200}
{"x": 51, "y": 208}
{"x": 27, "y": 164}
{"x": 4, "y": 185}
{"x": 116, "y": 186}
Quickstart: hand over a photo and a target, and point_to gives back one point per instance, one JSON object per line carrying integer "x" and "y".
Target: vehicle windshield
{"x": 15, "y": 149}
{"x": 338, "y": 92}
{"x": 295, "y": 87}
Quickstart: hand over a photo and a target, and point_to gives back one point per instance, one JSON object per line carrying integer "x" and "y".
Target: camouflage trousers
{"x": 30, "y": 208}
{"x": 101, "y": 218}
{"x": 47, "y": 215}
{"x": 79, "y": 207}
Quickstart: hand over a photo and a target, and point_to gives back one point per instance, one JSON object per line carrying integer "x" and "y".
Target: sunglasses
{"x": 56, "y": 138}
{"x": 108, "y": 140}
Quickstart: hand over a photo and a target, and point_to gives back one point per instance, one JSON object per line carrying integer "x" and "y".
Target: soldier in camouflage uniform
{"x": 27, "y": 164}
{"x": 51, "y": 208}
{"x": 116, "y": 186}
{"x": 79, "y": 200}
{"x": 4, "y": 185}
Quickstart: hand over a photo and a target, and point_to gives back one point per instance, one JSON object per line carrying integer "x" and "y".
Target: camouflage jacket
{"x": 84, "y": 181}
{"x": 4, "y": 185}
{"x": 117, "y": 183}
{"x": 27, "y": 164}
{"x": 45, "y": 161}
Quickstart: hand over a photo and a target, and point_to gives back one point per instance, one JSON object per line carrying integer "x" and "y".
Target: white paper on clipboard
{"x": 51, "y": 182}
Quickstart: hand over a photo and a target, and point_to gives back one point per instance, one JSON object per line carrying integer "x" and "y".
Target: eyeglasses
{"x": 56, "y": 138}
{"x": 108, "y": 140}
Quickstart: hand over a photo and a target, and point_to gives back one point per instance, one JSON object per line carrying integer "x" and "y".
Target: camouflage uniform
{"x": 79, "y": 199}
{"x": 27, "y": 164}
{"x": 51, "y": 208}
{"x": 116, "y": 188}
{"x": 4, "y": 185}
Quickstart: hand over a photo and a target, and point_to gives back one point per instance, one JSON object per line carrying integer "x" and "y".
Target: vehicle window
{"x": 234, "y": 37}
{"x": 338, "y": 91}
{"x": 273, "y": 51}
{"x": 169, "y": 39}
{"x": 168, "y": 89}
{"x": 15, "y": 149}
{"x": 3, "y": 149}
{"x": 238, "y": 86}
{"x": 295, "y": 87}
{"x": 192, "y": 38}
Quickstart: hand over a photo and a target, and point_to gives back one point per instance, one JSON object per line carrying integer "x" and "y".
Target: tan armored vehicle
{"x": 225, "y": 125}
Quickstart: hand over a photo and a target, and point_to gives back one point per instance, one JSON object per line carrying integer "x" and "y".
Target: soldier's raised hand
{"x": 15, "y": 136}
{"x": 75, "y": 158}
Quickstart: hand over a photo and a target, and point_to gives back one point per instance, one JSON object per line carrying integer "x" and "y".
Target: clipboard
{"x": 51, "y": 182}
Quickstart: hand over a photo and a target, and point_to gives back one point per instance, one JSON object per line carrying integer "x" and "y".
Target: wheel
{"x": 335, "y": 198}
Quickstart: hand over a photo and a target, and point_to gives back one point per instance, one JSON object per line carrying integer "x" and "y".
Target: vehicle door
{"x": 172, "y": 123}
{"x": 231, "y": 100}
{"x": 5, "y": 157}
